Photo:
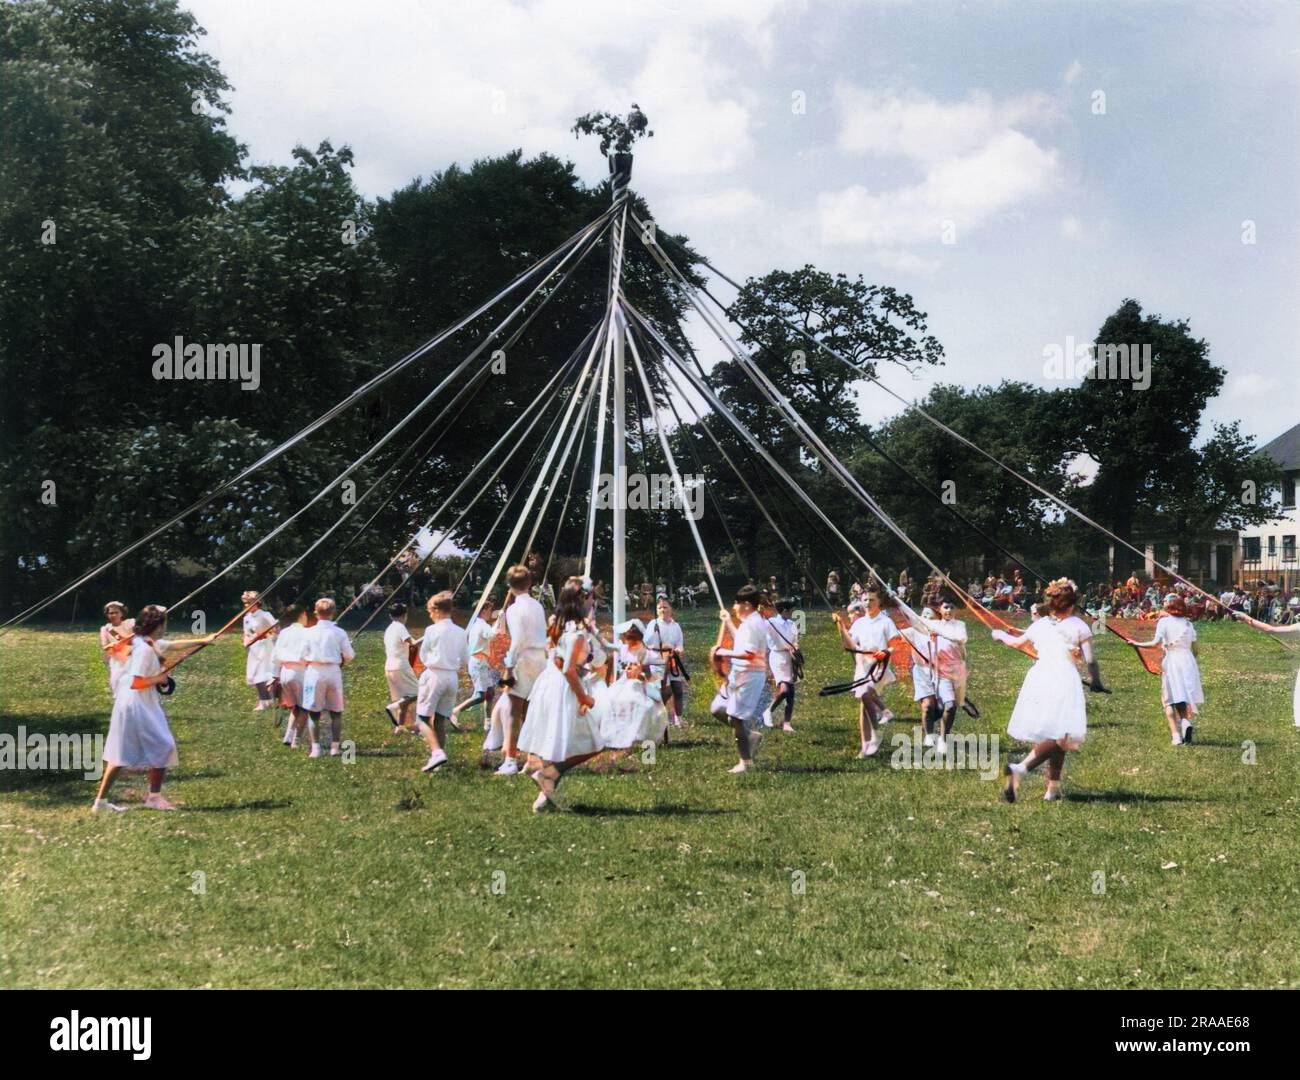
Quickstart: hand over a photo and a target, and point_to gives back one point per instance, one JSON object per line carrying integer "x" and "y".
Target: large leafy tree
{"x": 872, "y": 326}
{"x": 1140, "y": 431}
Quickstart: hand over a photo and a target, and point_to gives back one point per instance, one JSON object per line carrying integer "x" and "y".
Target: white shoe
{"x": 315, "y": 750}
{"x": 436, "y": 760}
{"x": 509, "y": 767}
{"x": 155, "y": 801}
{"x": 1052, "y": 795}
{"x": 767, "y": 717}
{"x": 928, "y": 740}
{"x": 334, "y": 749}
{"x": 755, "y": 742}
{"x": 1176, "y": 740}
{"x": 541, "y": 804}
{"x": 104, "y": 804}
{"x": 870, "y": 747}
{"x": 739, "y": 767}
{"x": 885, "y": 717}
{"x": 941, "y": 745}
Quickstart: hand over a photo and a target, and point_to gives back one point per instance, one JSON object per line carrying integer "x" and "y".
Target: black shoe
{"x": 1009, "y": 788}
{"x": 1187, "y": 735}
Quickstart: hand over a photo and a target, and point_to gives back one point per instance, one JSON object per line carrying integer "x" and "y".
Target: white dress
{"x": 259, "y": 667}
{"x": 553, "y": 730}
{"x": 1180, "y": 675}
{"x": 1050, "y": 704}
{"x": 632, "y": 710}
{"x": 138, "y": 735}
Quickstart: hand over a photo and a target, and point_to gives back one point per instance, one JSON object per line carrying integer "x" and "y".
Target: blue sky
{"x": 979, "y": 115}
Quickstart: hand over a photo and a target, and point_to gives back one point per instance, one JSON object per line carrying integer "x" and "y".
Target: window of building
{"x": 1250, "y": 548}
{"x": 1272, "y": 547}
{"x": 1288, "y": 548}
{"x": 1288, "y": 491}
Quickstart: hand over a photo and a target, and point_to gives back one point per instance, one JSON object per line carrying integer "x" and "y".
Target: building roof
{"x": 1285, "y": 449}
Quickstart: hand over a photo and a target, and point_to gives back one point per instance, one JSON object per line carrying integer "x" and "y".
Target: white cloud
{"x": 922, "y": 129}
{"x": 967, "y": 191}
{"x": 1071, "y": 227}
{"x": 977, "y": 162}
{"x": 1072, "y": 72}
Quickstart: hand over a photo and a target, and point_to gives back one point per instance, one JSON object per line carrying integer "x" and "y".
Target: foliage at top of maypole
{"x": 620, "y": 134}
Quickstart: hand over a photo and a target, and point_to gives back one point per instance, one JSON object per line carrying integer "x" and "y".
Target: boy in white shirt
{"x": 526, "y": 624}
{"x": 326, "y": 650}
{"x": 664, "y": 637}
{"x": 747, "y": 676}
{"x": 443, "y": 652}
{"x": 482, "y": 674}
{"x": 869, "y": 638}
{"x": 288, "y": 654}
{"x": 783, "y": 643}
{"x": 403, "y": 688}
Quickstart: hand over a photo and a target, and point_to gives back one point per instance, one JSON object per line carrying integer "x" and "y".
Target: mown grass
{"x": 320, "y": 873}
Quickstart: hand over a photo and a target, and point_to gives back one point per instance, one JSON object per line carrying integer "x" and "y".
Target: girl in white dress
{"x": 115, "y": 642}
{"x": 259, "y": 671}
{"x": 1180, "y": 675}
{"x": 633, "y": 710}
{"x": 922, "y": 670}
{"x": 562, "y": 728}
{"x": 1292, "y": 628}
{"x": 1050, "y": 711}
{"x": 138, "y": 734}
{"x": 869, "y": 638}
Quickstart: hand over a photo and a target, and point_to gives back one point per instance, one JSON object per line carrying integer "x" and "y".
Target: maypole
{"x": 620, "y": 167}
{"x": 616, "y": 139}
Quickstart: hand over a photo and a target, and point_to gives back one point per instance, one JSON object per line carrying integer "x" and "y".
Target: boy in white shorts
{"x": 403, "y": 688}
{"x": 443, "y": 652}
{"x": 482, "y": 674}
{"x": 526, "y": 625}
{"x": 326, "y": 651}
{"x": 288, "y": 650}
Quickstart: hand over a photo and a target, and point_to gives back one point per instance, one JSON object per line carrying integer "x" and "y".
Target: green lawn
{"x": 319, "y": 873}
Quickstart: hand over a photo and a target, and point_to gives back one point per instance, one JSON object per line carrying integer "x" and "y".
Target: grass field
{"x": 319, "y": 873}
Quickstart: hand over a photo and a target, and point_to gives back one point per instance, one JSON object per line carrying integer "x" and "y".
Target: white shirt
{"x": 289, "y": 644}
{"x": 479, "y": 636}
{"x": 873, "y": 633}
{"x": 751, "y": 636}
{"x": 526, "y": 623}
{"x": 397, "y": 654}
{"x": 784, "y": 635}
{"x": 327, "y": 644}
{"x": 444, "y": 647}
{"x": 664, "y": 635}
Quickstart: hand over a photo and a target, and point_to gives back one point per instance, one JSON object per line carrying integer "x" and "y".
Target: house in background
{"x": 1268, "y": 551}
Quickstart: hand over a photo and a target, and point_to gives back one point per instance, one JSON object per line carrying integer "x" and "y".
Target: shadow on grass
{"x": 660, "y": 810}
{"x": 230, "y": 808}
{"x": 1128, "y": 797}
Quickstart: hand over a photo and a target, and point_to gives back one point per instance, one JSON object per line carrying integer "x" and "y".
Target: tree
{"x": 1139, "y": 428}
